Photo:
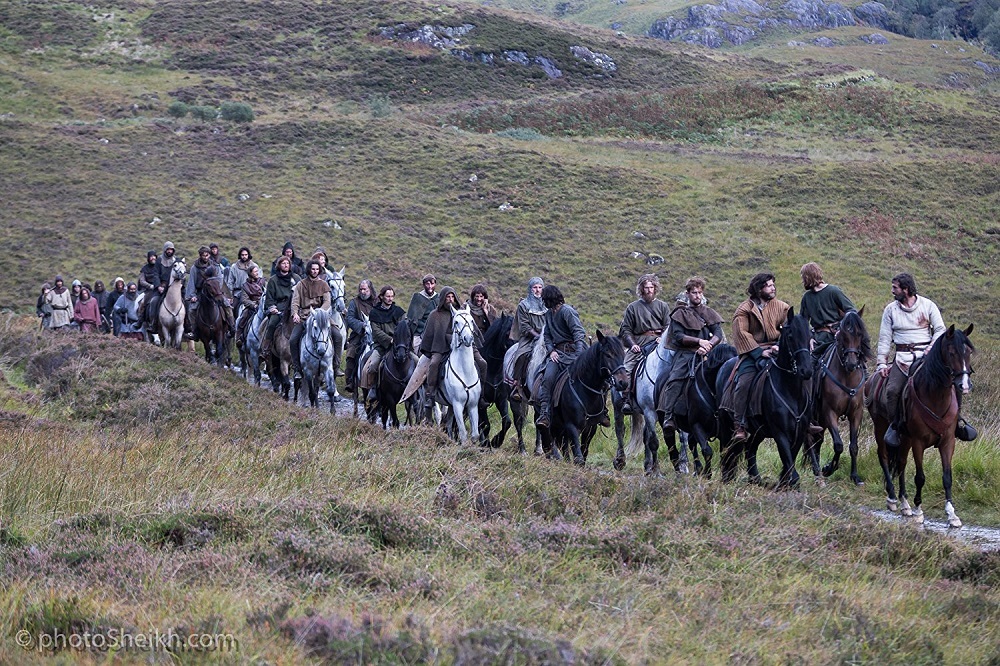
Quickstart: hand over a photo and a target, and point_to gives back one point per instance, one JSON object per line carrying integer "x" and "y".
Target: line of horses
{"x": 792, "y": 390}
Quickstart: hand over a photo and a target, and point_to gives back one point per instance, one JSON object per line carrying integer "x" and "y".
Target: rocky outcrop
{"x": 739, "y": 21}
{"x": 599, "y": 60}
{"x": 876, "y": 15}
{"x": 874, "y": 38}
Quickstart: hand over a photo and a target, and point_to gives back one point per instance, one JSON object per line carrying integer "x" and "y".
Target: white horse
{"x": 250, "y": 353}
{"x": 367, "y": 344}
{"x": 316, "y": 357}
{"x": 461, "y": 386}
{"x": 172, "y": 310}
{"x": 336, "y": 282}
{"x": 644, "y": 419}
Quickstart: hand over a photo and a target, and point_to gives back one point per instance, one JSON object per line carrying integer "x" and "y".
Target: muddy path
{"x": 977, "y": 536}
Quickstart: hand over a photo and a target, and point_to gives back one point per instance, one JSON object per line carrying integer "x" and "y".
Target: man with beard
{"x": 60, "y": 301}
{"x": 149, "y": 285}
{"x": 311, "y": 293}
{"x": 483, "y": 315}
{"x": 756, "y": 329}
{"x": 435, "y": 344}
{"x": 297, "y": 268}
{"x": 645, "y": 320}
{"x": 422, "y": 304}
{"x": 358, "y": 310}
{"x": 127, "y": 312}
{"x": 529, "y": 318}
{"x": 277, "y": 298}
{"x": 217, "y": 259}
{"x": 165, "y": 264}
{"x": 911, "y": 323}
{"x": 694, "y": 329}
{"x": 564, "y": 341}
{"x": 823, "y": 305}
{"x": 201, "y": 271}
{"x": 86, "y": 313}
{"x": 384, "y": 317}
{"x": 238, "y": 274}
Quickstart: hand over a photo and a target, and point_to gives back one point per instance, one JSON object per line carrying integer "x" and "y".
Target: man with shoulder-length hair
{"x": 564, "y": 337}
{"x": 756, "y": 329}
{"x": 644, "y": 321}
{"x": 823, "y": 305}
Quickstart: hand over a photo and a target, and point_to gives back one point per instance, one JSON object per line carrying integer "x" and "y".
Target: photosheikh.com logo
{"x": 122, "y": 640}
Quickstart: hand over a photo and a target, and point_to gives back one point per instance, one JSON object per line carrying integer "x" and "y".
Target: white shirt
{"x": 919, "y": 325}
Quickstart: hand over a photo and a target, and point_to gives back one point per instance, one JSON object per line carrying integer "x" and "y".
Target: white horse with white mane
{"x": 172, "y": 311}
{"x": 460, "y": 385}
{"x": 336, "y": 281}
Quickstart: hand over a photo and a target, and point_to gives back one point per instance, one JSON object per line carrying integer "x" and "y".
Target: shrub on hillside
{"x": 178, "y": 109}
{"x": 237, "y": 112}
{"x": 205, "y": 113}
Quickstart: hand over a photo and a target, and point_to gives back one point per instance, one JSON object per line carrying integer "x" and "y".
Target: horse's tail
{"x": 636, "y": 440}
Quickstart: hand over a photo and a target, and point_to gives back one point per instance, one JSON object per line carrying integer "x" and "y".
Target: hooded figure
{"x": 529, "y": 318}
{"x": 298, "y": 268}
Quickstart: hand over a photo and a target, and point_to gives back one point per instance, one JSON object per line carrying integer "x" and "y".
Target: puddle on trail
{"x": 983, "y": 538}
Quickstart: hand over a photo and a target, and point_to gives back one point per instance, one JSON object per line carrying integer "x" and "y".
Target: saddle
{"x": 755, "y": 399}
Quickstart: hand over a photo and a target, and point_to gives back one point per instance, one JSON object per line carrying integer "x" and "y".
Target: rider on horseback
{"x": 383, "y": 318}
{"x": 529, "y": 318}
{"x": 277, "y": 298}
{"x": 436, "y": 342}
{"x": 150, "y": 285}
{"x": 756, "y": 329}
{"x": 359, "y": 308}
{"x": 823, "y": 305}
{"x": 422, "y": 304}
{"x": 644, "y": 321}
{"x": 250, "y": 294}
{"x": 311, "y": 293}
{"x": 695, "y": 329}
{"x": 912, "y": 323}
{"x": 202, "y": 271}
{"x": 564, "y": 341}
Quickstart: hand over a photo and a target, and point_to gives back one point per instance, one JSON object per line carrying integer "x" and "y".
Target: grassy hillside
{"x": 143, "y": 489}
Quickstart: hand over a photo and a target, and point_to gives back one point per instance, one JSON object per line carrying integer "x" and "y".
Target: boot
{"x": 667, "y": 422}
{"x": 544, "y": 419}
{"x": 740, "y": 435}
{"x": 816, "y": 429}
{"x": 515, "y": 393}
{"x": 965, "y": 432}
{"x": 891, "y": 437}
{"x": 606, "y": 418}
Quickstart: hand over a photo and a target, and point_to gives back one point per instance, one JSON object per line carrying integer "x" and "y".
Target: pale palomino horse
{"x": 460, "y": 385}
{"x": 316, "y": 357}
{"x": 172, "y": 309}
{"x": 336, "y": 282}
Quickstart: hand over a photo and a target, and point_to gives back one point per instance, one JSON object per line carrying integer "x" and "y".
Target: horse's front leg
{"x": 671, "y": 443}
{"x": 617, "y": 400}
{"x": 946, "y": 454}
{"x": 503, "y": 406}
{"x": 750, "y": 448}
{"x": 573, "y": 435}
{"x": 918, "y": 483}
{"x": 701, "y": 441}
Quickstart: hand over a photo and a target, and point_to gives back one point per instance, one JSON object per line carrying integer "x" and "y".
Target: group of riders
{"x": 910, "y": 323}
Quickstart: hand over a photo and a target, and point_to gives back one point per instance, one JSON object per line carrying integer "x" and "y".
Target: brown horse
{"x": 840, "y": 392}
{"x": 930, "y": 410}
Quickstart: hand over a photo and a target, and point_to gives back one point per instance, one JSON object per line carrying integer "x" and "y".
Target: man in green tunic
{"x": 823, "y": 305}
{"x": 645, "y": 320}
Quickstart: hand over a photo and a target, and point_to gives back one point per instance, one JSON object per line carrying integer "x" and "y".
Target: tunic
{"x": 564, "y": 333}
{"x": 62, "y": 308}
{"x": 421, "y": 307}
{"x": 823, "y": 309}
{"x": 755, "y": 329}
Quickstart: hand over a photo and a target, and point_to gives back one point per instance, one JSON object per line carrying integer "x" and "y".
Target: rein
{"x": 839, "y": 384}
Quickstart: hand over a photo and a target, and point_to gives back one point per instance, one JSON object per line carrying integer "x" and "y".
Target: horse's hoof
{"x": 857, "y": 481}
{"x": 336, "y": 398}
{"x": 579, "y": 461}
{"x": 954, "y": 522}
{"x": 683, "y": 469}
{"x": 618, "y": 463}
{"x": 820, "y": 482}
{"x": 918, "y": 516}
{"x": 829, "y": 470}
{"x": 756, "y": 480}
{"x": 908, "y": 512}
{"x": 892, "y": 505}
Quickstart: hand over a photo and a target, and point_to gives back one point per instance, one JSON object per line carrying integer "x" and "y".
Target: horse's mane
{"x": 934, "y": 372}
{"x": 495, "y": 338}
{"x": 854, "y": 325}
{"x": 322, "y": 317}
{"x": 795, "y": 329}
{"x": 718, "y": 356}
{"x": 402, "y": 329}
{"x": 590, "y": 359}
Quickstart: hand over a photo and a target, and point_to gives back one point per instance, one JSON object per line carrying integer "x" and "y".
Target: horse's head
{"x": 402, "y": 339}
{"x": 463, "y": 333}
{"x": 718, "y": 356}
{"x": 318, "y": 330}
{"x": 612, "y": 361}
{"x": 178, "y": 271}
{"x": 853, "y": 344}
{"x": 957, "y": 351}
{"x": 336, "y": 282}
{"x": 794, "y": 355}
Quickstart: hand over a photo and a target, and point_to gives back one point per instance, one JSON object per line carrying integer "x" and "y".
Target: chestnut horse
{"x": 930, "y": 408}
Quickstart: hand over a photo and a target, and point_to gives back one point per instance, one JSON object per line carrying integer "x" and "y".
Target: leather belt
{"x": 567, "y": 347}
{"x": 915, "y": 347}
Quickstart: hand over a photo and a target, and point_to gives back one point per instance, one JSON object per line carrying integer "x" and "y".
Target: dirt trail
{"x": 983, "y": 538}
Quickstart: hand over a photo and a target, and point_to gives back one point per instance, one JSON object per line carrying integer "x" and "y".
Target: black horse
{"x": 394, "y": 372}
{"x": 209, "y": 323}
{"x": 578, "y": 405}
{"x": 496, "y": 342}
{"x": 696, "y": 411}
{"x": 785, "y": 406}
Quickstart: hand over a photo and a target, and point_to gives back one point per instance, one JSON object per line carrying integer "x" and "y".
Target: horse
{"x": 840, "y": 392}
{"x": 460, "y": 387}
{"x": 701, "y": 405}
{"x": 930, "y": 405}
{"x": 209, "y": 323}
{"x": 579, "y": 404}
{"x": 337, "y": 290}
{"x": 519, "y": 408}
{"x": 644, "y": 419}
{"x": 281, "y": 360}
{"x": 393, "y": 374}
{"x": 785, "y": 405}
{"x": 367, "y": 343}
{"x": 172, "y": 309}
{"x": 496, "y": 391}
{"x": 250, "y": 352}
{"x": 316, "y": 357}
